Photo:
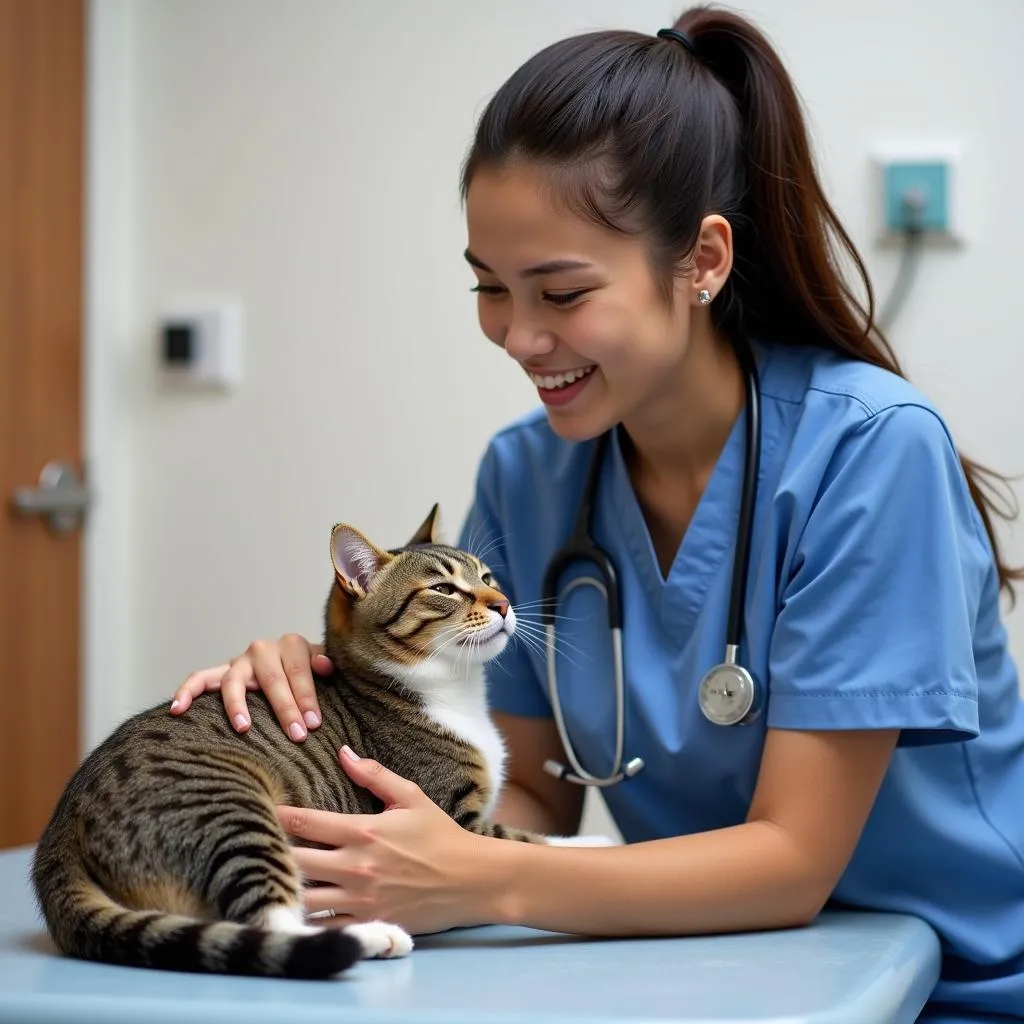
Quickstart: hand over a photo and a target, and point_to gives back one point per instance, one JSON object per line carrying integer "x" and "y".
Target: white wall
{"x": 112, "y": 348}
{"x": 304, "y": 156}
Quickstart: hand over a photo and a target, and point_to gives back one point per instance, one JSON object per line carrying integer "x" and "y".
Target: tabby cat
{"x": 164, "y": 850}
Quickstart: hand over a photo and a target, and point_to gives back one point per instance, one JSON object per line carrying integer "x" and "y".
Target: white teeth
{"x": 561, "y": 379}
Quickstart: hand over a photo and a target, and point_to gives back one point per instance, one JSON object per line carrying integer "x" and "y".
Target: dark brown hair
{"x": 646, "y": 137}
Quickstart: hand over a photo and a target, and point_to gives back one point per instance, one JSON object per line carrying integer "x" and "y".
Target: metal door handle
{"x": 61, "y": 496}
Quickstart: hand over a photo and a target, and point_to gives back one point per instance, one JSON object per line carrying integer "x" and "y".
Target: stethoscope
{"x": 729, "y": 694}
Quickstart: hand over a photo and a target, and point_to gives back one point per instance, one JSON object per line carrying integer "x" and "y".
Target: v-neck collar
{"x": 710, "y": 539}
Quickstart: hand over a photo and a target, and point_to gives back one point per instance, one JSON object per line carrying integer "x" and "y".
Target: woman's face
{"x": 575, "y": 304}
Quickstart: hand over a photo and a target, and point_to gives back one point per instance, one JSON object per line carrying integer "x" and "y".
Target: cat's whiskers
{"x": 425, "y": 646}
{"x": 532, "y": 621}
{"x": 459, "y": 632}
{"x": 533, "y": 644}
{"x": 484, "y": 552}
{"x": 536, "y": 638}
{"x": 481, "y": 534}
{"x": 501, "y": 538}
{"x": 401, "y": 675}
{"x": 471, "y": 539}
{"x": 539, "y": 638}
{"x": 461, "y": 649}
{"x": 532, "y": 615}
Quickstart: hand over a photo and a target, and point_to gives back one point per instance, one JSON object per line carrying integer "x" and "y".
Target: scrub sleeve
{"x": 875, "y": 621}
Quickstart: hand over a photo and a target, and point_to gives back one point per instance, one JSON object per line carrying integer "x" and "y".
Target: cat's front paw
{"x": 380, "y": 940}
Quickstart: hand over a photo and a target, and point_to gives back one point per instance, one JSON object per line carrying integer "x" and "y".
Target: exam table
{"x": 846, "y": 968}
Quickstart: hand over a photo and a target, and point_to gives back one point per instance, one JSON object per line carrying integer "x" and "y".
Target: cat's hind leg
{"x": 265, "y": 891}
{"x": 250, "y": 878}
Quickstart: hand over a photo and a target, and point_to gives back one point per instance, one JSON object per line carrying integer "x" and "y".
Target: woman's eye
{"x": 488, "y": 289}
{"x": 443, "y": 588}
{"x": 565, "y": 298}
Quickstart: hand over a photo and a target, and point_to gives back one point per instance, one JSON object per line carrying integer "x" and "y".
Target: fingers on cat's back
{"x": 197, "y": 683}
{"x": 298, "y": 671}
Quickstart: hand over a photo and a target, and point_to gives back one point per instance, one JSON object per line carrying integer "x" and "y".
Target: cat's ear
{"x": 430, "y": 529}
{"x": 356, "y": 560}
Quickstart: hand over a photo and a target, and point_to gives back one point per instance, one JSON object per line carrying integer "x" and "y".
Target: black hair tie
{"x": 685, "y": 41}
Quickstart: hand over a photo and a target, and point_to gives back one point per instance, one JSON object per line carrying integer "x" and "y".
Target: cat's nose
{"x": 501, "y": 607}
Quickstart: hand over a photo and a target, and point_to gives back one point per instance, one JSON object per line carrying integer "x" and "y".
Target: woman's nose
{"x": 524, "y": 340}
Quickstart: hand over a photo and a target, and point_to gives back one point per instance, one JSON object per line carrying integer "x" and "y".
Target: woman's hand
{"x": 410, "y": 865}
{"x": 283, "y": 670}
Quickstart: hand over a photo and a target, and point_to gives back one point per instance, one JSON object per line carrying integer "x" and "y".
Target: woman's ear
{"x": 712, "y": 260}
{"x": 356, "y": 560}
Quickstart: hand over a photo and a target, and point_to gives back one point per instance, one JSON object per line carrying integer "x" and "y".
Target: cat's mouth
{"x": 483, "y": 637}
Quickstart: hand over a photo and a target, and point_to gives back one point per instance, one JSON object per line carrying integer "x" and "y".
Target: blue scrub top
{"x": 872, "y": 602}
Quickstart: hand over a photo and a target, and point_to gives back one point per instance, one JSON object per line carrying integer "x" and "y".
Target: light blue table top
{"x": 846, "y": 968}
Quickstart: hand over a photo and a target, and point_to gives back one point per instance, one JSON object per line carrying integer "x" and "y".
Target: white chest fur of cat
{"x": 455, "y": 697}
{"x": 464, "y": 714}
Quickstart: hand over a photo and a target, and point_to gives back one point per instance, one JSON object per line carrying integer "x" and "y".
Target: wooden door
{"x": 42, "y": 67}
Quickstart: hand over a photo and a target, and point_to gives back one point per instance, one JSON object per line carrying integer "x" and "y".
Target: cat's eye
{"x": 487, "y": 580}
{"x": 444, "y": 588}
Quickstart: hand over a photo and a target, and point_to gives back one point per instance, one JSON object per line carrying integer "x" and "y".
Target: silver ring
{"x": 332, "y": 913}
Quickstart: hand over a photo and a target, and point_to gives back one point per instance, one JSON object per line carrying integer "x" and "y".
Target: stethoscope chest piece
{"x": 729, "y": 695}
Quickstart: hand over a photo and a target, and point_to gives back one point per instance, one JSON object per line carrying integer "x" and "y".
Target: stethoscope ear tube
{"x": 748, "y": 497}
{"x": 728, "y": 693}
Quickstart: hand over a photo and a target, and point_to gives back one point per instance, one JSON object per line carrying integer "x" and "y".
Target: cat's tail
{"x": 85, "y": 922}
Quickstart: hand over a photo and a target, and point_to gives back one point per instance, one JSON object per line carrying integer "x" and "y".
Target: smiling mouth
{"x": 560, "y": 380}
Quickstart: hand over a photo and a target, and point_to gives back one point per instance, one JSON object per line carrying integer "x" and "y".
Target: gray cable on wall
{"x": 913, "y": 243}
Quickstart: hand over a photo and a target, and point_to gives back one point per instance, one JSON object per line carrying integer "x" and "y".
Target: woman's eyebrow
{"x": 551, "y": 267}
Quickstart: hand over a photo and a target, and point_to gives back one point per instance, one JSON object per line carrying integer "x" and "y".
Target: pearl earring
{"x": 703, "y": 296}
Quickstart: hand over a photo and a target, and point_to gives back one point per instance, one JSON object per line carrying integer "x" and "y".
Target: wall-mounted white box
{"x": 200, "y": 342}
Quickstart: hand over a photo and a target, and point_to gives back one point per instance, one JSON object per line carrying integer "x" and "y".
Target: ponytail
{"x": 789, "y": 275}
{"x": 646, "y": 136}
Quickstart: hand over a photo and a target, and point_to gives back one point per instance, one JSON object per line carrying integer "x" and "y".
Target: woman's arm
{"x": 776, "y": 870}
{"x": 412, "y": 865}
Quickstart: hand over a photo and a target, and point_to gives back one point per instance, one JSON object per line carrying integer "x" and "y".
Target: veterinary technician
{"x": 838, "y": 719}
